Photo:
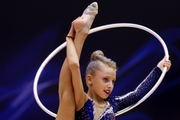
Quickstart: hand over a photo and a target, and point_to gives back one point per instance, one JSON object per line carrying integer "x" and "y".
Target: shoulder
{"x": 112, "y": 100}
{"x": 87, "y": 105}
{"x": 86, "y": 111}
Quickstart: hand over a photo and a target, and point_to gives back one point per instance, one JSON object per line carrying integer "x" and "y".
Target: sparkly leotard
{"x": 117, "y": 103}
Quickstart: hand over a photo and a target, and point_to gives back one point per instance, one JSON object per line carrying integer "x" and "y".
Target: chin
{"x": 106, "y": 97}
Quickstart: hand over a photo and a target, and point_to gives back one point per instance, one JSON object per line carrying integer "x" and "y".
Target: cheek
{"x": 98, "y": 83}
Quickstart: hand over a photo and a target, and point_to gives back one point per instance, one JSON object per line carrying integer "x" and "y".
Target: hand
{"x": 164, "y": 63}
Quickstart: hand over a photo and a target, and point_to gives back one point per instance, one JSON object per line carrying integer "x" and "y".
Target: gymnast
{"x": 96, "y": 104}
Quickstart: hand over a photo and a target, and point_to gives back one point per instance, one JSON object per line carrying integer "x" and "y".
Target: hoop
{"x": 104, "y": 27}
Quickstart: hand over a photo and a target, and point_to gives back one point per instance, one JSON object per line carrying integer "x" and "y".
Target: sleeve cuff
{"x": 158, "y": 70}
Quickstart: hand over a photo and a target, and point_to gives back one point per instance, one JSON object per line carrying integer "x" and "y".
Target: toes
{"x": 85, "y": 21}
{"x": 92, "y": 9}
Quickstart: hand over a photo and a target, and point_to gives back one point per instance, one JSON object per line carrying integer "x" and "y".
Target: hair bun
{"x": 96, "y": 55}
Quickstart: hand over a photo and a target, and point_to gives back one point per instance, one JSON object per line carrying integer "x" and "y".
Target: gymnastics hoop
{"x": 100, "y": 28}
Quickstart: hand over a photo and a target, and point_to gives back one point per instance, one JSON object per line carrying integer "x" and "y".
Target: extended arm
{"x": 67, "y": 88}
{"x": 130, "y": 98}
{"x": 73, "y": 61}
{"x": 81, "y": 26}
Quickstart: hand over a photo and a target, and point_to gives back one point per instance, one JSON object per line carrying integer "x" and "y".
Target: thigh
{"x": 66, "y": 109}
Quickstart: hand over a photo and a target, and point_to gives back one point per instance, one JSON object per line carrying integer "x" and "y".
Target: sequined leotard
{"x": 117, "y": 103}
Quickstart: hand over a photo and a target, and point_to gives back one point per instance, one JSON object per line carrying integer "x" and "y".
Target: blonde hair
{"x": 94, "y": 65}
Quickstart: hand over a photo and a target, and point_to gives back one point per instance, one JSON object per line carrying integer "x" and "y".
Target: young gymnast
{"x": 96, "y": 104}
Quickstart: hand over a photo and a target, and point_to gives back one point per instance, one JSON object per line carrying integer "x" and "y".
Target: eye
{"x": 113, "y": 81}
{"x": 105, "y": 79}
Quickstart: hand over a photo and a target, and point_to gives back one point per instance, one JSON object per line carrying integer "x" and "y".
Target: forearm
{"x": 71, "y": 53}
{"x": 149, "y": 81}
{"x": 141, "y": 90}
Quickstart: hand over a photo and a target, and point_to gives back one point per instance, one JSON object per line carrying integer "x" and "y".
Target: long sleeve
{"x": 120, "y": 102}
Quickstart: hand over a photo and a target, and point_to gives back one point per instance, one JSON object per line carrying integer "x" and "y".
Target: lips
{"x": 107, "y": 92}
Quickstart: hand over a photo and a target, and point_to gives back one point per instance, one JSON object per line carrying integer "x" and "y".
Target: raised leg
{"x": 79, "y": 31}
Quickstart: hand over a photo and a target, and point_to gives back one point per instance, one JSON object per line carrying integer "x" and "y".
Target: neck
{"x": 95, "y": 98}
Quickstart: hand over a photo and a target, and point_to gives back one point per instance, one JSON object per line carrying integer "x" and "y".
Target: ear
{"x": 89, "y": 79}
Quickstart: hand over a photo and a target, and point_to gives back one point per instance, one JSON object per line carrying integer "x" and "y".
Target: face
{"x": 102, "y": 83}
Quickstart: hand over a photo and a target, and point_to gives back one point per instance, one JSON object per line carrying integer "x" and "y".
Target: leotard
{"x": 117, "y": 103}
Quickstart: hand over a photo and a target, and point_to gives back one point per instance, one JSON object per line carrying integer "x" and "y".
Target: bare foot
{"x": 83, "y": 23}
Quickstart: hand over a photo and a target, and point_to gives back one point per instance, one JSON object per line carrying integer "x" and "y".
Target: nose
{"x": 110, "y": 85}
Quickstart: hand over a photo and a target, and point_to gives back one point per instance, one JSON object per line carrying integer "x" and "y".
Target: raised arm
{"x": 79, "y": 33}
{"x": 81, "y": 26}
{"x": 73, "y": 61}
{"x": 132, "y": 97}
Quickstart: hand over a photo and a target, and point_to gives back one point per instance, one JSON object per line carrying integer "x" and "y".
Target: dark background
{"x": 31, "y": 30}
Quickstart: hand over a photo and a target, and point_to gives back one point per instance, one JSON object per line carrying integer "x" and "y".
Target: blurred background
{"x": 31, "y": 30}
